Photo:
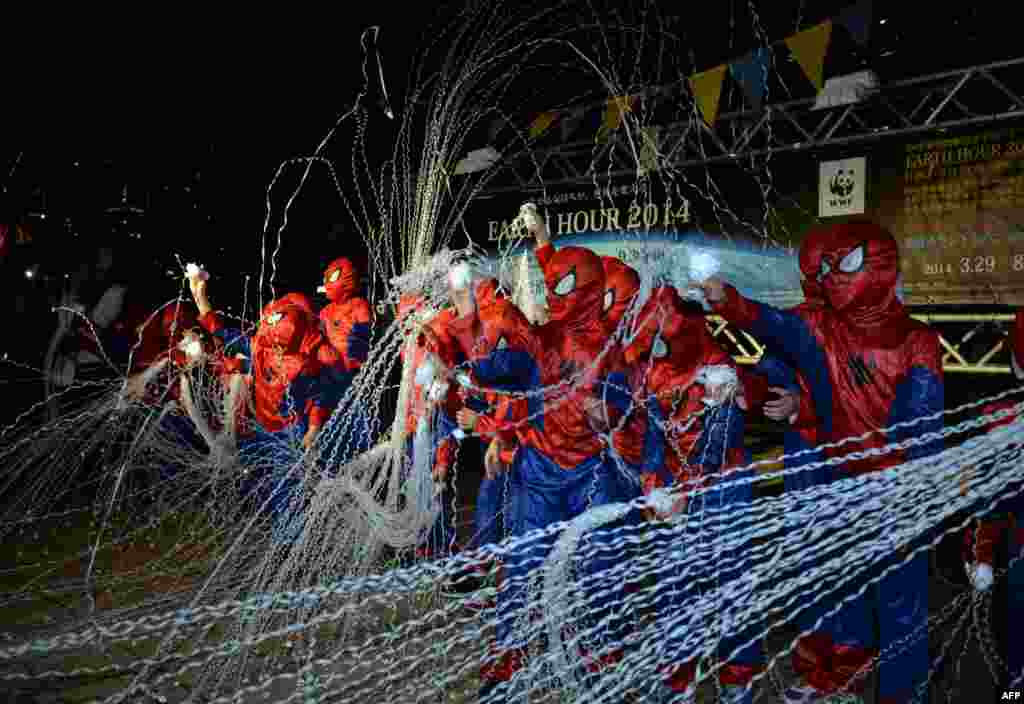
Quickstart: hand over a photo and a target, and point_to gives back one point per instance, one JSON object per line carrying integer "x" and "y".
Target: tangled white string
{"x": 852, "y": 528}
{"x": 198, "y": 591}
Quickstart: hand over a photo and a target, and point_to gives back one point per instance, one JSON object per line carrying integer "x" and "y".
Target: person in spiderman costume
{"x": 347, "y": 319}
{"x": 622, "y": 284}
{"x": 287, "y": 360}
{"x": 169, "y": 338}
{"x": 868, "y": 366}
{"x": 562, "y": 465}
{"x": 165, "y": 335}
{"x": 491, "y": 343}
{"x": 115, "y": 340}
{"x": 689, "y": 430}
{"x": 779, "y": 377}
{"x": 433, "y": 353}
{"x": 346, "y": 323}
{"x": 774, "y": 375}
{"x": 1002, "y": 531}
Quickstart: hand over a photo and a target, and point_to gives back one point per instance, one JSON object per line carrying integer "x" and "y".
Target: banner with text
{"x": 611, "y": 209}
{"x": 962, "y": 224}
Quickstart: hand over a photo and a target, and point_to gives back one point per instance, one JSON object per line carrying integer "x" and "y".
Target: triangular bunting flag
{"x": 541, "y": 123}
{"x": 751, "y": 72}
{"x": 617, "y": 107}
{"x": 809, "y": 48}
{"x": 707, "y": 89}
{"x": 649, "y": 144}
{"x": 856, "y": 19}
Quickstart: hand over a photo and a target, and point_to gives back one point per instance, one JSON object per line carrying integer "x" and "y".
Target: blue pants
{"x": 492, "y": 510}
{"x": 898, "y": 604}
{"x": 271, "y": 458}
{"x": 542, "y": 493}
{"x": 715, "y": 568}
{"x": 440, "y": 539}
{"x": 272, "y": 477}
{"x": 181, "y": 429}
{"x": 802, "y": 481}
{"x": 793, "y": 442}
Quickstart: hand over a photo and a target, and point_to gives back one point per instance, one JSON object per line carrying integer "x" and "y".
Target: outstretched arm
{"x": 789, "y": 334}
{"x": 235, "y": 342}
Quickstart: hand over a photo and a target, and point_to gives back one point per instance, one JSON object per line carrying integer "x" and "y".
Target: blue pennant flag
{"x": 751, "y": 72}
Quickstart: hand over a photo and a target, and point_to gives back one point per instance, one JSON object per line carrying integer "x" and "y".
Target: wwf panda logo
{"x": 842, "y": 183}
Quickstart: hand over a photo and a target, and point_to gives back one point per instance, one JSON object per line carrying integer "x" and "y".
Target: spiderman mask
{"x": 622, "y": 283}
{"x": 576, "y": 286}
{"x": 669, "y": 329}
{"x": 858, "y": 271}
{"x": 811, "y": 250}
{"x": 341, "y": 281}
{"x": 288, "y": 326}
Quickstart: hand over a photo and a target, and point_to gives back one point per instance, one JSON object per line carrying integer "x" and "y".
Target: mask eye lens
{"x": 335, "y": 275}
{"x": 274, "y": 318}
{"x": 824, "y": 270}
{"x": 502, "y": 343}
{"x": 853, "y": 261}
{"x": 609, "y": 299}
{"x": 566, "y": 285}
{"x": 660, "y": 348}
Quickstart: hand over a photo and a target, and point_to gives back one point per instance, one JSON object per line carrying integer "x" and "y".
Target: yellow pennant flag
{"x": 541, "y": 123}
{"x": 617, "y": 107}
{"x": 809, "y": 48}
{"x": 707, "y": 89}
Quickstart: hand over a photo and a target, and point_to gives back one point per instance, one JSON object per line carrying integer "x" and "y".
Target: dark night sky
{"x": 151, "y": 102}
{"x": 231, "y": 97}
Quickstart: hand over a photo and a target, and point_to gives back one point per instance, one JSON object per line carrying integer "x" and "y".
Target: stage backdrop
{"x": 957, "y": 207}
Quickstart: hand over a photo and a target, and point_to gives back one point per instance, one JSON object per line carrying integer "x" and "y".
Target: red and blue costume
{"x": 118, "y": 341}
{"x": 622, "y": 284}
{"x": 999, "y": 535}
{"x": 778, "y": 373}
{"x": 493, "y": 342}
{"x": 161, "y": 334}
{"x": 562, "y": 465}
{"x": 159, "y": 339}
{"x": 288, "y": 360}
{"x": 348, "y": 318}
{"x": 868, "y": 366}
{"x": 346, "y": 322}
{"x": 434, "y": 346}
{"x": 685, "y": 443}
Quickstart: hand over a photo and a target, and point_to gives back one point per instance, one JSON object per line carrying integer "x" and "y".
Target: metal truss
{"x": 979, "y": 347}
{"x": 978, "y": 95}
